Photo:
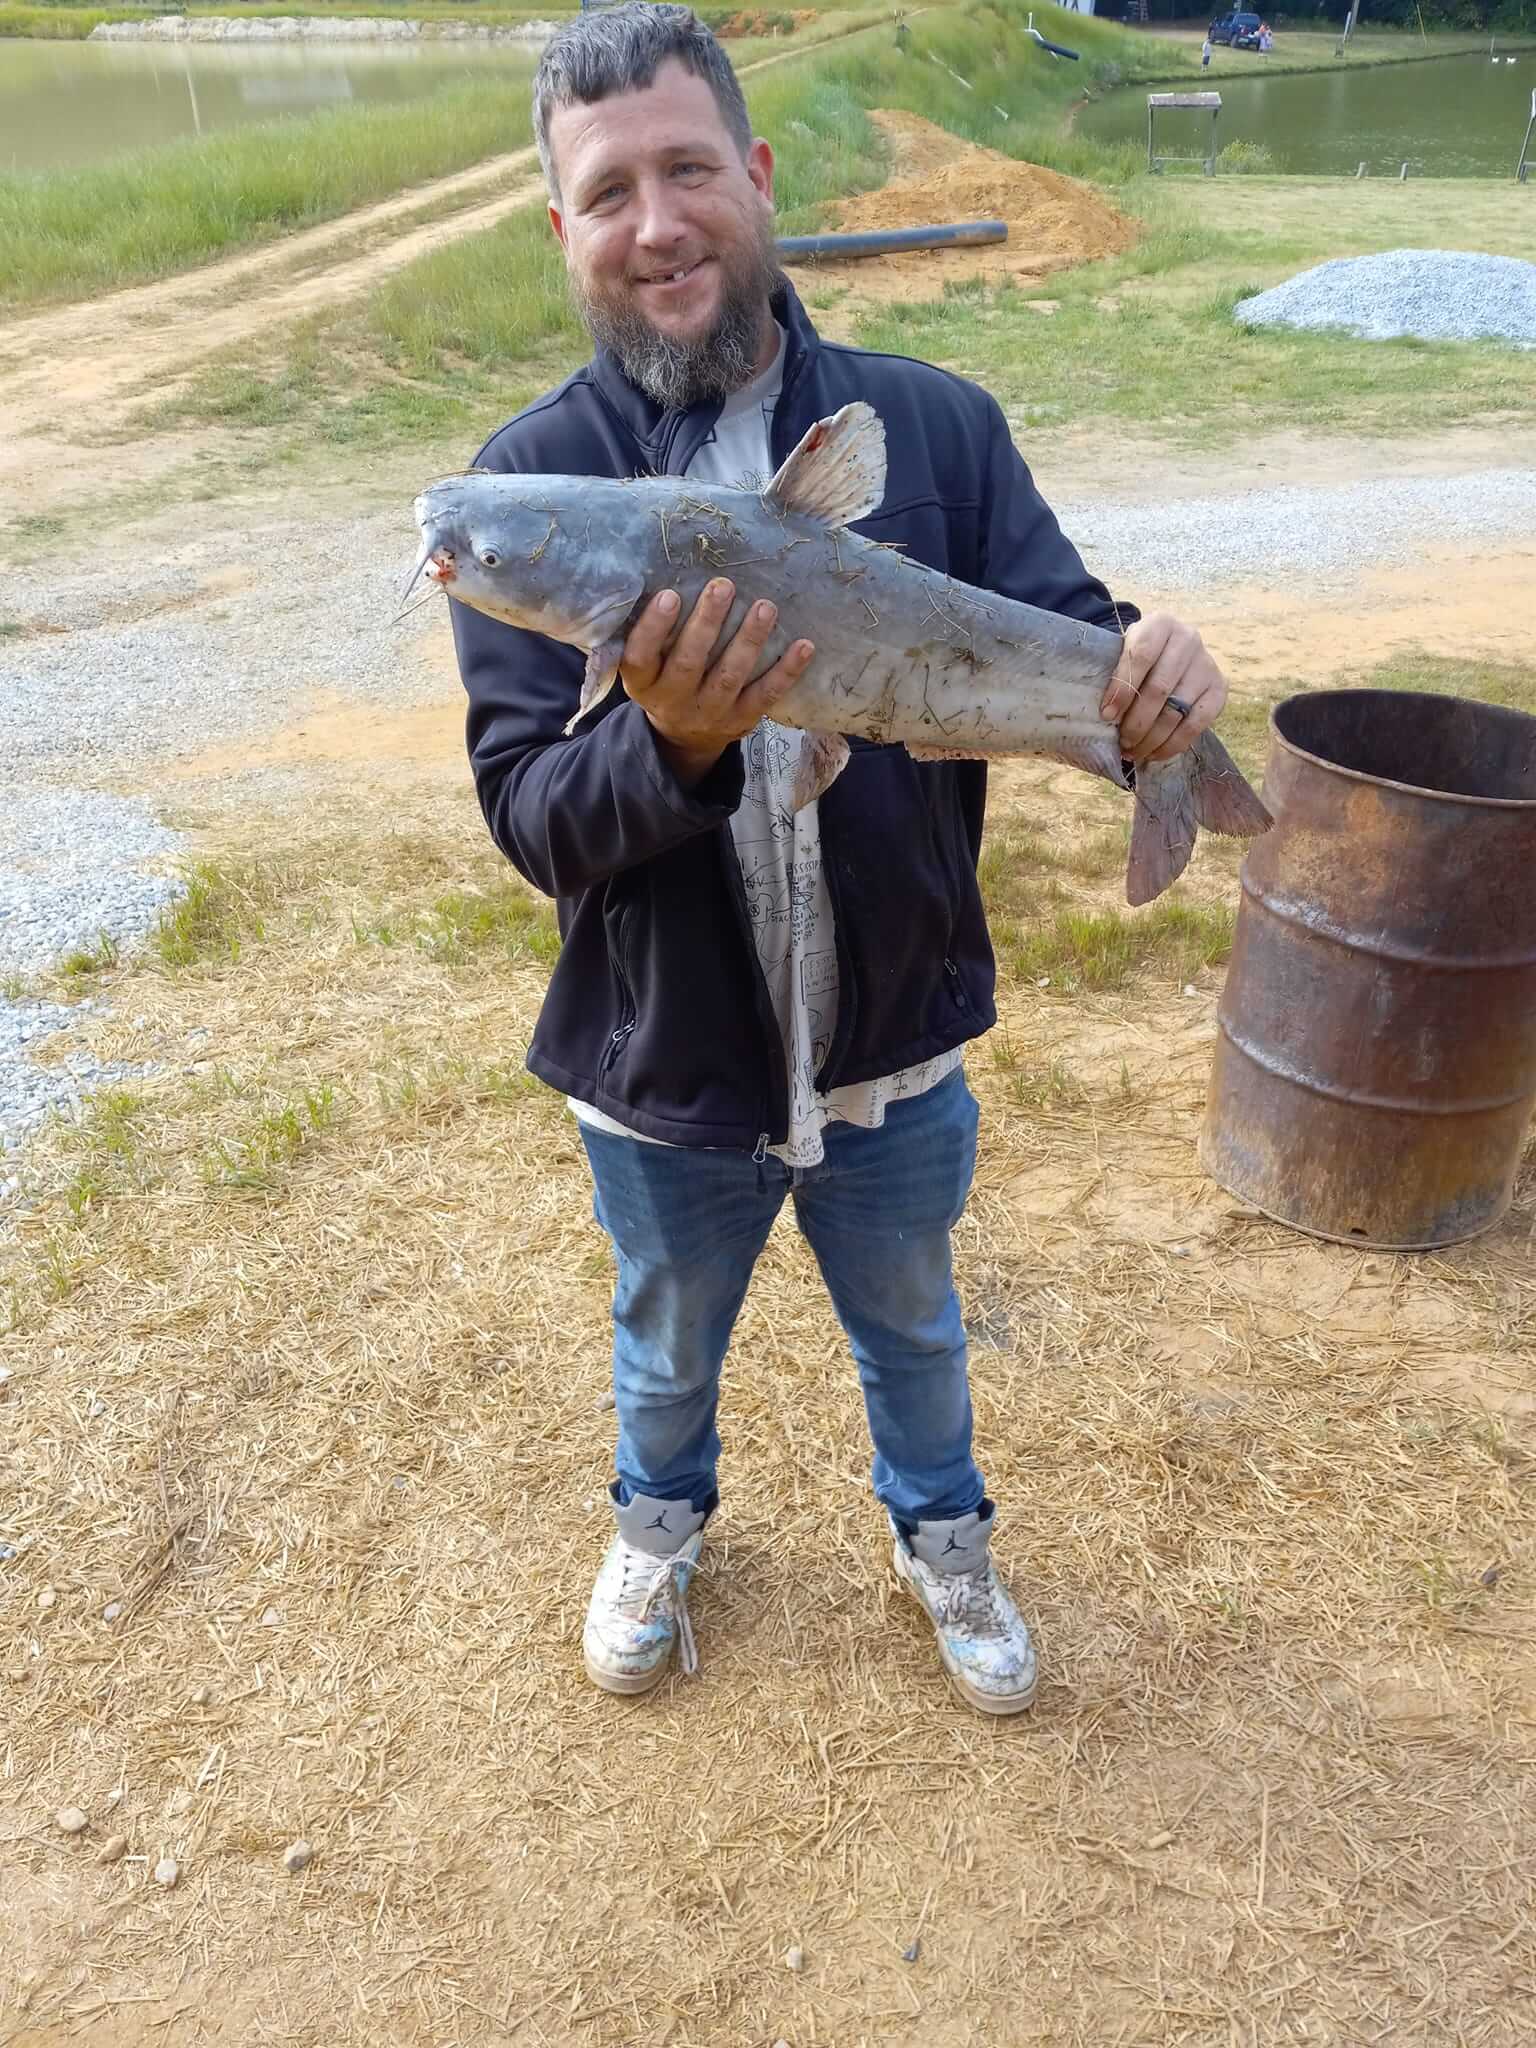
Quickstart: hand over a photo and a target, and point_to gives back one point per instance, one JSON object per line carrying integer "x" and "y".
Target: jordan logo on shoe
{"x": 951, "y": 1545}
{"x": 659, "y": 1523}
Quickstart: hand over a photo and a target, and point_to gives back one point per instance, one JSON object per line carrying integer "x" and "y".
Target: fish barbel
{"x": 904, "y": 654}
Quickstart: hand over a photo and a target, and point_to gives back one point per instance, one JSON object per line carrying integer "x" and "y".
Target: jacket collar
{"x": 669, "y": 440}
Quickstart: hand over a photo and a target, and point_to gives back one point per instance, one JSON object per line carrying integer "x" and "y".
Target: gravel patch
{"x": 1431, "y": 294}
{"x": 1293, "y": 534}
{"x": 72, "y": 872}
{"x": 158, "y": 661}
{"x": 29, "y": 1093}
{"x": 126, "y": 664}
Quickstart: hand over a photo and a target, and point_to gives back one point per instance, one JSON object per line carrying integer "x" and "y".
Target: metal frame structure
{"x": 1202, "y": 101}
{"x": 1523, "y": 167}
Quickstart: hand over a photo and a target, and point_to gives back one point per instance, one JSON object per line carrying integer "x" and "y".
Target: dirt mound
{"x": 1053, "y": 222}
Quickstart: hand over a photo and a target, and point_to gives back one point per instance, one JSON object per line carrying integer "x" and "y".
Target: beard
{"x": 677, "y": 374}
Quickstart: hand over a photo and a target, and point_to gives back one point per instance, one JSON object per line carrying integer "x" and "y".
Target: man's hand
{"x": 1163, "y": 665}
{"x": 696, "y": 707}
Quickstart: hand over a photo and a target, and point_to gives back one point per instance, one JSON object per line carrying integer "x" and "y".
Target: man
{"x": 751, "y": 1001}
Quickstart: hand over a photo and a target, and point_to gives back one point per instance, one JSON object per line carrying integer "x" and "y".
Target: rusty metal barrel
{"x": 1375, "y": 1068}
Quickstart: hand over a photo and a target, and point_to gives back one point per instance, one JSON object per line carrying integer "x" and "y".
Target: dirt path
{"x": 83, "y": 363}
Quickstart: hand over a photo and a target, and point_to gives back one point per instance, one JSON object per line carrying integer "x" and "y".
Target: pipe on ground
{"x": 884, "y": 241}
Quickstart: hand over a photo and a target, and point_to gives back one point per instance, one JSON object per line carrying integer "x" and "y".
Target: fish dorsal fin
{"x": 837, "y": 472}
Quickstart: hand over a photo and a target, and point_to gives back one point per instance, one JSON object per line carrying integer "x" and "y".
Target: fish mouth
{"x": 437, "y": 562}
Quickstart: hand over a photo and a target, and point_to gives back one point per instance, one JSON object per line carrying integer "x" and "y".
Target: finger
{"x": 640, "y": 663}
{"x": 1164, "y": 678}
{"x": 686, "y": 665}
{"x": 1141, "y": 647}
{"x": 743, "y": 653}
{"x": 1202, "y": 714}
{"x": 758, "y": 699}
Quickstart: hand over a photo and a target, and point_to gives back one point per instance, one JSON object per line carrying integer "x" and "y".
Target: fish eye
{"x": 489, "y": 559}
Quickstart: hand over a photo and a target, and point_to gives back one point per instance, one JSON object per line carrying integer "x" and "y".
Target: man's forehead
{"x": 676, "y": 107}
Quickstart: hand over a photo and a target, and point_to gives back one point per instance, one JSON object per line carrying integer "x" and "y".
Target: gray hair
{"x": 619, "y": 49}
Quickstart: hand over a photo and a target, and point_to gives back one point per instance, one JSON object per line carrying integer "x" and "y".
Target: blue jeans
{"x": 687, "y": 1227}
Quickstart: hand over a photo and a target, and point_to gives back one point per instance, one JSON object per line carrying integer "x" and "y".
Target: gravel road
{"x": 127, "y": 663}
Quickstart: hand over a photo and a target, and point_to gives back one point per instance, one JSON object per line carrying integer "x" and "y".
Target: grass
{"x": 1095, "y": 951}
{"x": 1149, "y": 337}
{"x": 220, "y": 908}
{"x": 73, "y": 233}
{"x": 307, "y": 1357}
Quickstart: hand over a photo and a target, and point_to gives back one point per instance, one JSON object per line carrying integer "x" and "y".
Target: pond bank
{"x": 309, "y": 28}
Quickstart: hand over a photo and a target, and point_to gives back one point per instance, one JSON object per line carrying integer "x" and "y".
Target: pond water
{"x": 1453, "y": 117}
{"x": 65, "y": 104}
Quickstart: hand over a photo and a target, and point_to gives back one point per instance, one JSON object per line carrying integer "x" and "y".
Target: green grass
{"x": 218, "y": 913}
{"x": 1149, "y": 337}
{"x": 155, "y": 211}
{"x": 1099, "y": 950}
{"x": 465, "y": 923}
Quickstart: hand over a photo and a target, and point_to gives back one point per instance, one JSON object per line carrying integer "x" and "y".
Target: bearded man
{"x": 753, "y": 1002}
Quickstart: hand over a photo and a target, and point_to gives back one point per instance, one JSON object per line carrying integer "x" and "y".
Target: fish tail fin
{"x": 1173, "y": 800}
{"x": 1225, "y": 802}
{"x": 823, "y": 757}
{"x": 1164, "y": 830}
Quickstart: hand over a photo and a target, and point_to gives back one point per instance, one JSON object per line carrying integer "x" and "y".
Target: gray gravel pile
{"x": 1432, "y": 294}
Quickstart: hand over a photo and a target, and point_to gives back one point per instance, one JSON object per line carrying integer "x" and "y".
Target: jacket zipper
{"x": 630, "y": 1018}
{"x": 956, "y": 985}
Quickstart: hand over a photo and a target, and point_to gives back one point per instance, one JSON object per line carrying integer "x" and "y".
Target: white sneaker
{"x": 639, "y": 1604}
{"x": 984, "y": 1644}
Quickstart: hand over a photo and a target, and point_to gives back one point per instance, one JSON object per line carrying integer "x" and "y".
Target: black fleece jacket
{"x": 657, "y": 1012}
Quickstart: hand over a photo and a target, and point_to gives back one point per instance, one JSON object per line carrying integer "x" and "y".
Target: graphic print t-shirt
{"x": 779, "y": 852}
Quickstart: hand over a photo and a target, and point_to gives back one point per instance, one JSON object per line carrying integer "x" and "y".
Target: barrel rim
{"x": 1443, "y": 796}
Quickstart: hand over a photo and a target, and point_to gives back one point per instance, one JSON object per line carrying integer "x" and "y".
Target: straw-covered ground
{"x": 305, "y": 1446}
{"x": 303, "y": 1434}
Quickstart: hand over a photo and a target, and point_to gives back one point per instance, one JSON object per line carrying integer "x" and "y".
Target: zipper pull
{"x": 762, "y": 1150}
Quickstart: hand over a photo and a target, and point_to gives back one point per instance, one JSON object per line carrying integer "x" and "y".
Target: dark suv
{"x": 1240, "y": 30}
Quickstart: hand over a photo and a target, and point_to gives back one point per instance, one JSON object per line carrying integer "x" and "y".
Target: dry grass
{"x": 308, "y": 1342}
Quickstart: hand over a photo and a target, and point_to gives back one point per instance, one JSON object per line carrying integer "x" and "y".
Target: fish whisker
{"x": 436, "y": 591}
{"x": 421, "y": 562}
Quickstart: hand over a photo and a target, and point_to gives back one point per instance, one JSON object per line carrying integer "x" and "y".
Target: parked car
{"x": 1240, "y": 30}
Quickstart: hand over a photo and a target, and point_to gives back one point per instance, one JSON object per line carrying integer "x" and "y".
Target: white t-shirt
{"x": 779, "y": 851}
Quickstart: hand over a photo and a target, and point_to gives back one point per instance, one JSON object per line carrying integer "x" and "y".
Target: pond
{"x": 1452, "y": 117}
{"x": 64, "y": 104}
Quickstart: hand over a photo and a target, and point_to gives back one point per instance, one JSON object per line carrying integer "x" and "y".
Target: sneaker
{"x": 639, "y": 1605}
{"x": 984, "y": 1644}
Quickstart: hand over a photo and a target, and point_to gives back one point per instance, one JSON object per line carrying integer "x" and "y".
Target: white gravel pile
{"x": 1432, "y": 294}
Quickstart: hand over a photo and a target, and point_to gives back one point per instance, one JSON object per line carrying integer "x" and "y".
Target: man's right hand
{"x": 698, "y": 708}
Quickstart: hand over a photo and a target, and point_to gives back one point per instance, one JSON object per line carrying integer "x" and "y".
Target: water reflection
{"x": 1452, "y": 117}
{"x": 65, "y": 104}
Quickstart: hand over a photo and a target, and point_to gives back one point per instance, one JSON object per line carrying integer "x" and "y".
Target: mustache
{"x": 674, "y": 373}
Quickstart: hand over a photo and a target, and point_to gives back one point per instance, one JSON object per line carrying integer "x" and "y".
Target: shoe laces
{"x": 659, "y": 1585}
{"x": 969, "y": 1600}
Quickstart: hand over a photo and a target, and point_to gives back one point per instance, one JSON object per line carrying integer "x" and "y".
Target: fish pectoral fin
{"x": 837, "y": 471}
{"x": 823, "y": 758}
{"x": 602, "y": 667}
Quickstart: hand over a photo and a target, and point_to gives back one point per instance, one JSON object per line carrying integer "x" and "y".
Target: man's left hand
{"x": 1162, "y": 660}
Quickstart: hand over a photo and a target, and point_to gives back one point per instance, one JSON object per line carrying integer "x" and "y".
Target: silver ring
{"x": 1177, "y": 704}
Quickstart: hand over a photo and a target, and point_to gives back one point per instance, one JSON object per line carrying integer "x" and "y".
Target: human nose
{"x": 660, "y": 225}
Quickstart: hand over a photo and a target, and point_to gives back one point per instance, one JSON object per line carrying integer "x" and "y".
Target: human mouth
{"x": 674, "y": 280}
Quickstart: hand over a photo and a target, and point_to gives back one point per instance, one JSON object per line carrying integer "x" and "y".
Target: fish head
{"x": 523, "y": 550}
